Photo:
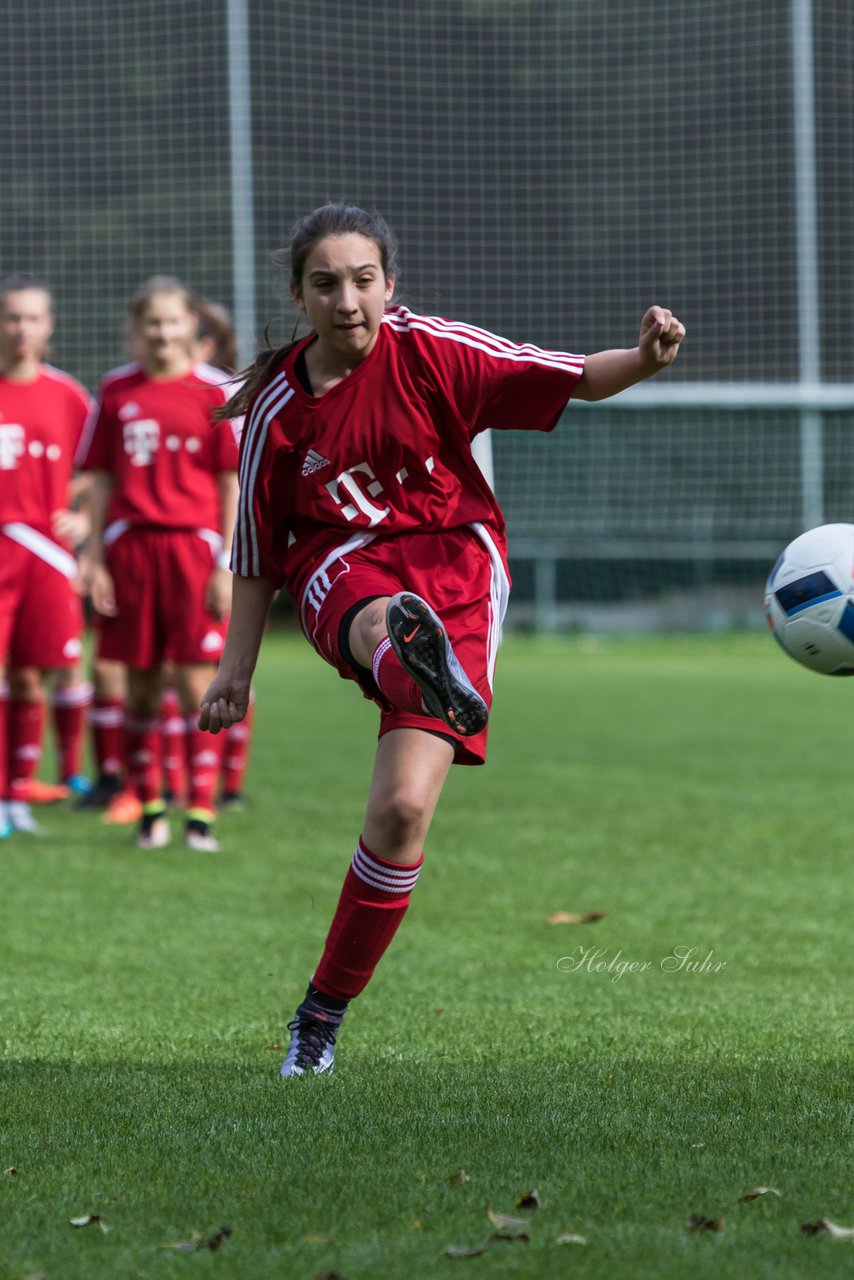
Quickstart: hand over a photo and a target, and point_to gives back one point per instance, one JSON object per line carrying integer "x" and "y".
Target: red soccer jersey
{"x": 40, "y": 427}
{"x": 158, "y": 440}
{"x": 388, "y": 449}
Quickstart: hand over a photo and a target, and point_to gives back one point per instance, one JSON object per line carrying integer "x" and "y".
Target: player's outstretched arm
{"x": 226, "y": 700}
{"x": 608, "y": 372}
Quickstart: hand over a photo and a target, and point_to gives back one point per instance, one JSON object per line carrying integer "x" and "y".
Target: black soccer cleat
{"x": 421, "y": 643}
{"x": 100, "y": 795}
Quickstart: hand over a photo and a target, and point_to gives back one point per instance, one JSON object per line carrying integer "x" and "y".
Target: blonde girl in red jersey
{"x": 359, "y": 493}
{"x": 42, "y": 412}
{"x": 163, "y": 498}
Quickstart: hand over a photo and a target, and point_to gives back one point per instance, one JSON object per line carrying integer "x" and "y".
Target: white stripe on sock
{"x": 379, "y": 653}
{"x": 392, "y": 880}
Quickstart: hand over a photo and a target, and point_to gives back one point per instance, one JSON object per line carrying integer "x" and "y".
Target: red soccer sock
{"x": 4, "y": 741}
{"x": 107, "y": 718}
{"x": 69, "y": 711}
{"x": 373, "y": 902}
{"x": 394, "y": 683}
{"x": 26, "y": 730}
{"x": 142, "y": 745}
{"x": 204, "y": 760}
{"x": 172, "y": 740}
{"x": 238, "y": 742}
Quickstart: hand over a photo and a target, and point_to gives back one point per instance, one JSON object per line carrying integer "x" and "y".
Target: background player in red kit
{"x": 163, "y": 498}
{"x": 42, "y": 412}
{"x": 215, "y": 346}
{"x": 359, "y": 493}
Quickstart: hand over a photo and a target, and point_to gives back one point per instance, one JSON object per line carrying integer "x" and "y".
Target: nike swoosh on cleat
{"x": 412, "y": 633}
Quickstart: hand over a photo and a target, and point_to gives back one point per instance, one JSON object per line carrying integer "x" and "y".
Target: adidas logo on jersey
{"x": 313, "y": 462}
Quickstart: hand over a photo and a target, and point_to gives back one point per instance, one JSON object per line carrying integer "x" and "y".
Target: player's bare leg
{"x": 203, "y": 755}
{"x": 410, "y": 769}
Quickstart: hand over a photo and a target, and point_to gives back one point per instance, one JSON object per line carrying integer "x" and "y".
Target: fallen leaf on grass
{"x": 529, "y": 1200}
{"x": 475, "y": 1250}
{"x": 185, "y": 1246}
{"x": 459, "y": 1175}
{"x": 699, "y": 1223}
{"x": 316, "y": 1239}
{"x": 756, "y": 1192}
{"x": 218, "y": 1239}
{"x": 831, "y": 1228}
{"x": 569, "y": 917}
{"x": 502, "y": 1220}
{"x": 467, "y": 1251}
{"x": 10, "y": 1173}
{"x": 89, "y": 1220}
{"x": 275, "y": 1048}
{"x": 214, "y": 1242}
{"x": 570, "y": 1237}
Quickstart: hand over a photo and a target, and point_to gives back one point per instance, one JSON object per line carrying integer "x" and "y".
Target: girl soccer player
{"x": 42, "y": 412}
{"x": 162, "y": 504}
{"x": 359, "y": 493}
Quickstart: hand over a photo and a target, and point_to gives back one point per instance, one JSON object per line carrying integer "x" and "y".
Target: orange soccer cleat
{"x": 34, "y": 791}
{"x": 122, "y": 810}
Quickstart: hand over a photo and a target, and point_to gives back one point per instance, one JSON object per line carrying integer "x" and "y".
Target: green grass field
{"x": 698, "y": 791}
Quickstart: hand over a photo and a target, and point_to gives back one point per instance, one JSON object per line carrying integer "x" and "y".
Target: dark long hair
{"x": 328, "y": 220}
{"x": 216, "y": 323}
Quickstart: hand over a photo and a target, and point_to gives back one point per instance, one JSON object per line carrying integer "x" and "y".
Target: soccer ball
{"x": 809, "y": 600}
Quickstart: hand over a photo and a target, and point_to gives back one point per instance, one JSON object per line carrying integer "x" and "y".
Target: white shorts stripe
{"x": 499, "y": 593}
{"x": 320, "y": 575}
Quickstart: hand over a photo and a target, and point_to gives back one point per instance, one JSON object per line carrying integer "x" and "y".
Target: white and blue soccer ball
{"x": 809, "y": 600}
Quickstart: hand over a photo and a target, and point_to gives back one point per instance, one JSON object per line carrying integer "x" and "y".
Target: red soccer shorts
{"x": 459, "y": 573}
{"x": 160, "y": 578}
{"x": 41, "y": 619}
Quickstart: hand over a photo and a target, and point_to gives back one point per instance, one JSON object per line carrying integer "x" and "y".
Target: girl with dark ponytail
{"x": 359, "y": 494}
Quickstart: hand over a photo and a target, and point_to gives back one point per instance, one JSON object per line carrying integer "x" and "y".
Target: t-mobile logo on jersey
{"x": 352, "y": 487}
{"x": 141, "y": 440}
{"x": 11, "y": 445}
